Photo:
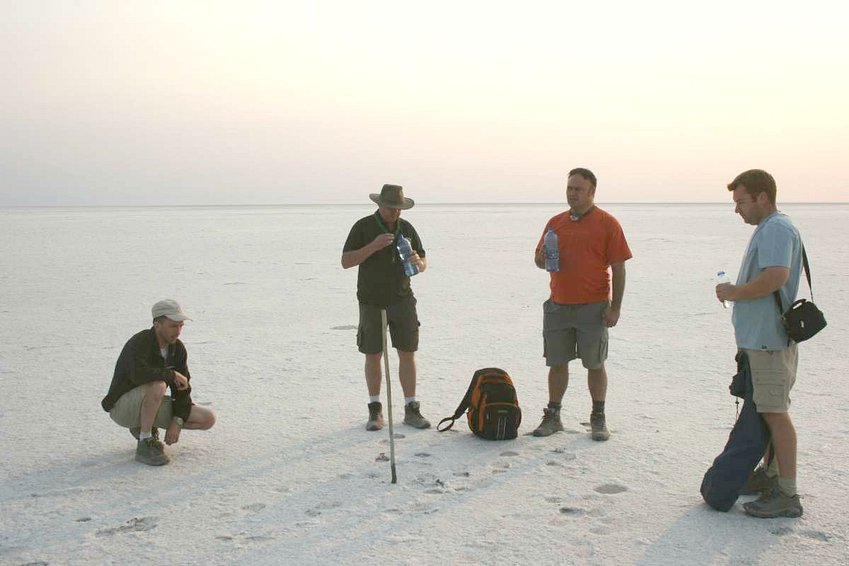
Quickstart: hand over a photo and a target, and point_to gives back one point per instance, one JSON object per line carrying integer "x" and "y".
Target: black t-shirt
{"x": 381, "y": 280}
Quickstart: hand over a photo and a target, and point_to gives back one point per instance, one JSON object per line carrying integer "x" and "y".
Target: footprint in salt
{"x": 611, "y": 488}
{"x": 816, "y": 535}
{"x": 135, "y": 524}
{"x": 397, "y": 435}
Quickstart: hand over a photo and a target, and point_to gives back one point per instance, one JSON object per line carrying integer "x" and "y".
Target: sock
{"x": 772, "y": 468}
{"x": 408, "y": 400}
{"x": 554, "y": 406}
{"x": 598, "y": 407}
{"x": 787, "y": 486}
{"x": 374, "y": 399}
{"x": 144, "y": 435}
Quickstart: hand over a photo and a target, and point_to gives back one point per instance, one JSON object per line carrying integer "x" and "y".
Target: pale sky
{"x": 123, "y": 102}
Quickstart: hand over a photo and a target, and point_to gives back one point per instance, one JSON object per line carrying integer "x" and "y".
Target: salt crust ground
{"x": 289, "y": 476}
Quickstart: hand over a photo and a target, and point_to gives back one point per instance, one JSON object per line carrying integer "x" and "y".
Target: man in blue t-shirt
{"x": 772, "y": 262}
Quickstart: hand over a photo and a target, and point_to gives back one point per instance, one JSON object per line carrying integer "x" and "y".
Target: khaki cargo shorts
{"x": 126, "y": 410}
{"x": 773, "y": 376}
{"x": 574, "y": 331}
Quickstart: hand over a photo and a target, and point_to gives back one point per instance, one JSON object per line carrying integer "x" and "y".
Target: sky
{"x": 249, "y": 102}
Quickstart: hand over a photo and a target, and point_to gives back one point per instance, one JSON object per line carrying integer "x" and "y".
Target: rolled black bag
{"x": 746, "y": 444}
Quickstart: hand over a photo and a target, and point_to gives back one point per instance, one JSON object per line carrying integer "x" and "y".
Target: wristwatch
{"x": 179, "y": 421}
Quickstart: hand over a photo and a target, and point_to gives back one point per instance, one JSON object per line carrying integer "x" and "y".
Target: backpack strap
{"x": 461, "y": 408}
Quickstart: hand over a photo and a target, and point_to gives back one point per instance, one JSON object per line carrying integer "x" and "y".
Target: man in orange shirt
{"x": 581, "y": 309}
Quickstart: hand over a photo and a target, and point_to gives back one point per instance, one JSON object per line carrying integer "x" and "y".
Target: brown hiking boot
{"x": 413, "y": 416}
{"x": 774, "y": 504}
{"x": 375, "y": 416}
{"x": 550, "y": 423}
{"x": 758, "y": 482}
{"x": 598, "y": 426}
{"x": 151, "y": 452}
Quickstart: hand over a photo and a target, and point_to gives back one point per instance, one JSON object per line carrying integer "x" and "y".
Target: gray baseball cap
{"x": 169, "y": 308}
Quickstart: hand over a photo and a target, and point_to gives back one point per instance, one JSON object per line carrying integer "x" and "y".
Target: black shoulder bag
{"x": 803, "y": 319}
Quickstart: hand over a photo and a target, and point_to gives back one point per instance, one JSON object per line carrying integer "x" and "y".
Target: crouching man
{"x": 152, "y": 361}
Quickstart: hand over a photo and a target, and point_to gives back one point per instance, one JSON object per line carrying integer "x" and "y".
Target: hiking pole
{"x": 388, "y": 398}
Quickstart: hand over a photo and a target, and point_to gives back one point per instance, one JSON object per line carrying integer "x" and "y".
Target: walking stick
{"x": 388, "y": 398}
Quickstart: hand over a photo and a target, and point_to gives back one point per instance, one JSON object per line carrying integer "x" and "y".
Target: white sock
{"x": 144, "y": 435}
{"x": 408, "y": 400}
{"x": 374, "y": 399}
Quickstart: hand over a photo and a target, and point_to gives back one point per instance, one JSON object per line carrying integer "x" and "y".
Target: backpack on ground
{"x": 493, "y": 409}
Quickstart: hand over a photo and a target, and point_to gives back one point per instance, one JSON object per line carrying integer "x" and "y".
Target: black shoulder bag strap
{"x": 807, "y": 276}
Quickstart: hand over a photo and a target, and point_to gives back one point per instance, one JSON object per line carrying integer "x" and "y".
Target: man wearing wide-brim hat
{"x": 383, "y": 284}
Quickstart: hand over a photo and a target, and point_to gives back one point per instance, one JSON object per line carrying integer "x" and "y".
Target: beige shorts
{"x": 574, "y": 331}
{"x": 773, "y": 376}
{"x": 126, "y": 410}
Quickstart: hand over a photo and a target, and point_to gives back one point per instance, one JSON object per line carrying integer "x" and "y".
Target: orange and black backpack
{"x": 493, "y": 409}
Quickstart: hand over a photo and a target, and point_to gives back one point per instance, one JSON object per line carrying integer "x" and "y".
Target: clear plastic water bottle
{"x": 405, "y": 250}
{"x": 552, "y": 251}
{"x": 722, "y": 277}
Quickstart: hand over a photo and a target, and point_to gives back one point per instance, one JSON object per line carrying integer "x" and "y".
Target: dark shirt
{"x": 380, "y": 279}
{"x": 141, "y": 362}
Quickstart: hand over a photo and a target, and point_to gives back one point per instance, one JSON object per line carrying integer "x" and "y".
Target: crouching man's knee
{"x": 201, "y": 418}
{"x": 155, "y": 390}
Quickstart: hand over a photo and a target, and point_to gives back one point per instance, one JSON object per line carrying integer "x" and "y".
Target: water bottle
{"x": 552, "y": 252}
{"x": 405, "y": 250}
{"x": 722, "y": 277}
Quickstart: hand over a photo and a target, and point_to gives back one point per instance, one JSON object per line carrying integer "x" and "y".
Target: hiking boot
{"x": 759, "y": 482}
{"x": 151, "y": 452}
{"x": 136, "y": 431}
{"x": 413, "y": 416}
{"x": 550, "y": 423}
{"x": 598, "y": 426}
{"x": 774, "y": 504}
{"x": 375, "y": 416}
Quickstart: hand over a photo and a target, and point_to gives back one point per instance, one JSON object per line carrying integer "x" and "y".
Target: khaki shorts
{"x": 574, "y": 331}
{"x": 126, "y": 410}
{"x": 773, "y": 376}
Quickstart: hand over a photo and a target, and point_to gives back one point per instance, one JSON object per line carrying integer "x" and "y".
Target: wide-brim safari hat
{"x": 392, "y": 196}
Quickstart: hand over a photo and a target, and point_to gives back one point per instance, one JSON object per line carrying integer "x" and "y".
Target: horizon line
{"x": 443, "y": 203}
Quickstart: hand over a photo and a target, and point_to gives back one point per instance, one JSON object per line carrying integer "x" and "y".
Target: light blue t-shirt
{"x": 757, "y": 322}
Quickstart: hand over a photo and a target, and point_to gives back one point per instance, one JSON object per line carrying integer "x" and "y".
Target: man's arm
{"x": 420, "y": 262}
{"x": 356, "y": 257}
{"x": 141, "y": 369}
{"x": 181, "y": 395}
{"x": 766, "y": 283}
{"x": 611, "y": 314}
{"x": 539, "y": 258}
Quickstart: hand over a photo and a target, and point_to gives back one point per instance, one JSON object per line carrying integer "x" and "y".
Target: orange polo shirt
{"x": 587, "y": 249}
